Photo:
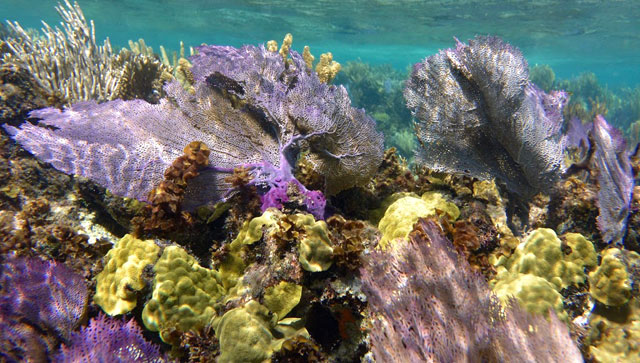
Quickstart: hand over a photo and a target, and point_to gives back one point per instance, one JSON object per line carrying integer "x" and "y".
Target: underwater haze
{"x": 571, "y": 36}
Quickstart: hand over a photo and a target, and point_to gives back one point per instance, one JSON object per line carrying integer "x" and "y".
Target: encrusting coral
{"x": 611, "y": 283}
{"x": 184, "y": 294}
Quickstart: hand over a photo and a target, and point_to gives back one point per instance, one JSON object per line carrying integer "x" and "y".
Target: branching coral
{"x": 429, "y": 306}
{"x": 70, "y": 65}
{"x": 251, "y": 108}
{"x": 479, "y": 115}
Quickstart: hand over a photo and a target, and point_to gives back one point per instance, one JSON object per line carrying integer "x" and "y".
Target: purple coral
{"x": 429, "y": 306}
{"x": 110, "y": 340}
{"x": 615, "y": 179}
{"x": 252, "y": 108}
{"x": 45, "y": 294}
{"x": 479, "y": 114}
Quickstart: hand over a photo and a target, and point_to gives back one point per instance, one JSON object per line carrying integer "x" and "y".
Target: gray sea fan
{"x": 615, "y": 179}
{"x": 478, "y": 114}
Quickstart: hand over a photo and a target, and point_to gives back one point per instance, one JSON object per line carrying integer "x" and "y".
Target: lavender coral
{"x": 615, "y": 179}
{"x": 429, "y": 306}
{"x": 44, "y": 294}
{"x": 480, "y": 115}
{"x": 252, "y": 108}
{"x": 110, "y": 340}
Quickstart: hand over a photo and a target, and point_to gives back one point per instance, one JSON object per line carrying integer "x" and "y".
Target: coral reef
{"x": 153, "y": 135}
{"x": 480, "y": 115}
{"x": 72, "y": 67}
{"x": 184, "y": 294}
{"x": 429, "y": 306}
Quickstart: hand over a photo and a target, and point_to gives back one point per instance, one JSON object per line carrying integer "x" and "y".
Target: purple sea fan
{"x": 428, "y": 305}
{"x": 615, "y": 179}
{"x": 479, "y": 114}
{"x": 45, "y": 294}
{"x": 250, "y": 108}
{"x": 110, "y": 340}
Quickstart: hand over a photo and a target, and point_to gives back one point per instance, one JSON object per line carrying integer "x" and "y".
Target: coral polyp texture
{"x": 47, "y": 295}
{"x": 110, "y": 340}
{"x": 252, "y": 109}
{"x": 429, "y": 306}
{"x": 479, "y": 114}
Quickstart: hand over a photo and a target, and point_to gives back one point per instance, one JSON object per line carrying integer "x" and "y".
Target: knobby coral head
{"x": 479, "y": 114}
{"x": 251, "y": 107}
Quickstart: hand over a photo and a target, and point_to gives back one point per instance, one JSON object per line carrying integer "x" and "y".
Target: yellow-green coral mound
{"x": 534, "y": 293}
{"x": 538, "y": 269}
{"x": 251, "y": 333}
{"x": 315, "y": 251}
{"x": 402, "y": 214}
{"x": 184, "y": 294}
{"x": 121, "y": 278}
{"x": 610, "y": 283}
{"x": 541, "y": 255}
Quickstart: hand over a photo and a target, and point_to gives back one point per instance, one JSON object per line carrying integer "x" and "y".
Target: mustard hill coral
{"x": 248, "y": 333}
{"x": 538, "y": 269}
{"x": 118, "y": 284}
{"x": 282, "y": 298}
{"x": 184, "y": 294}
{"x": 315, "y": 249}
{"x": 399, "y": 218}
{"x": 611, "y": 283}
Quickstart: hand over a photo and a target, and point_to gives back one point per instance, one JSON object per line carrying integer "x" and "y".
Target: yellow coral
{"x": 327, "y": 68}
{"x": 286, "y": 46}
{"x": 246, "y": 334}
{"x": 308, "y": 57}
{"x": 120, "y": 280}
{"x": 616, "y": 337}
{"x": 315, "y": 250}
{"x": 609, "y": 283}
{"x": 282, "y": 298}
{"x": 402, "y": 214}
{"x": 184, "y": 294}
{"x": 534, "y": 293}
{"x": 538, "y": 266}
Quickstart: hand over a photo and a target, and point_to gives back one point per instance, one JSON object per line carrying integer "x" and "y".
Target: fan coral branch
{"x": 615, "y": 179}
{"x": 46, "y": 294}
{"x": 479, "y": 115}
{"x": 249, "y": 106}
{"x": 429, "y": 306}
{"x": 110, "y": 340}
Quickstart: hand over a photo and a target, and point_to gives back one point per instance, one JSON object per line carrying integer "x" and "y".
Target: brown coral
{"x": 166, "y": 198}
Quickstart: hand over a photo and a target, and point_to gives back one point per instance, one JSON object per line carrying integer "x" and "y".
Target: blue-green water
{"x": 572, "y": 36}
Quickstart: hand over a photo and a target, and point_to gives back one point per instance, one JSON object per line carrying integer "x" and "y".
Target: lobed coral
{"x": 121, "y": 279}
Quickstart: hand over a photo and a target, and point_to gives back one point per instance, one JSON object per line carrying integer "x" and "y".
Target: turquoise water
{"x": 572, "y": 36}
